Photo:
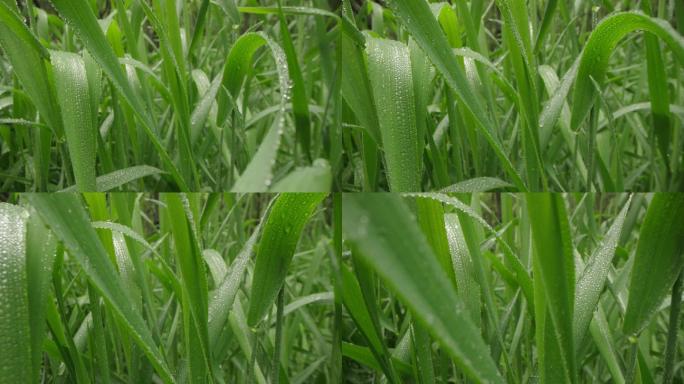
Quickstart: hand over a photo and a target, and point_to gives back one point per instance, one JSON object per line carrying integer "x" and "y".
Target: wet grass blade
{"x": 380, "y": 229}
{"x": 15, "y": 333}
{"x": 389, "y": 70}
{"x": 289, "y": 215}
{"x": 71, "y": 83}
{"x": 658, "y": 260}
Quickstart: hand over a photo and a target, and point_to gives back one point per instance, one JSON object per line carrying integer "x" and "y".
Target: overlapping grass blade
{"x": 658, "y": 260}
{"x": 381, "y": 230}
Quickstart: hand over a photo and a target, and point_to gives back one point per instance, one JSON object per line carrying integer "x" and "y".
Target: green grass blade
{"x": 389, "y": 70}
{"x": 71, "y": 83}
{"x": 281, "y": 233}
{"x": 15, "y": 333}
{"x": 41, "y": 247}
{"x": 553, "y": 253}
{"x": 600, "y": 46}
{"x": 66, "y": 216}
{"x": 380, "y": 229}
{"x": 658, "y": 260}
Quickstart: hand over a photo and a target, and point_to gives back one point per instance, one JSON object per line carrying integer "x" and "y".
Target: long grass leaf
{"x": 15, "y": 333}
{"x": 72, "y": 87}
{"x": 601, "y": 44}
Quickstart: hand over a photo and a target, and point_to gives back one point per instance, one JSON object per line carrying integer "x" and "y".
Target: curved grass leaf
{"x": 258, "y": 175}
{"x": 71, "y": 83}
{"x": 600, "y": 46}
{"x": 658, "y": 260}
{"x": 15, "y": 333}
{"x": 290, "y": 212}
{"x": 380, "y": 229}
{"x": 66, "y": 216}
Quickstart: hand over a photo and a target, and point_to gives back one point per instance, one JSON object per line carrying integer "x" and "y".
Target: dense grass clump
{"x": 513, "y": 288}
{"x": 168, "y": 288}
{"x": 514, "y": 95}
{"x": 168, "y": 95}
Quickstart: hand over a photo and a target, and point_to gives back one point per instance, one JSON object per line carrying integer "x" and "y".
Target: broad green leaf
{"x": 553, "y": 255}
{"x": 289, "y": 215}
{"x": 74, "y": 98}
{"x": 15, "y": 332}
{"x": 658, "y": 260}
{"x": 66, "y": 216}
{"x": 380, "y": 229}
